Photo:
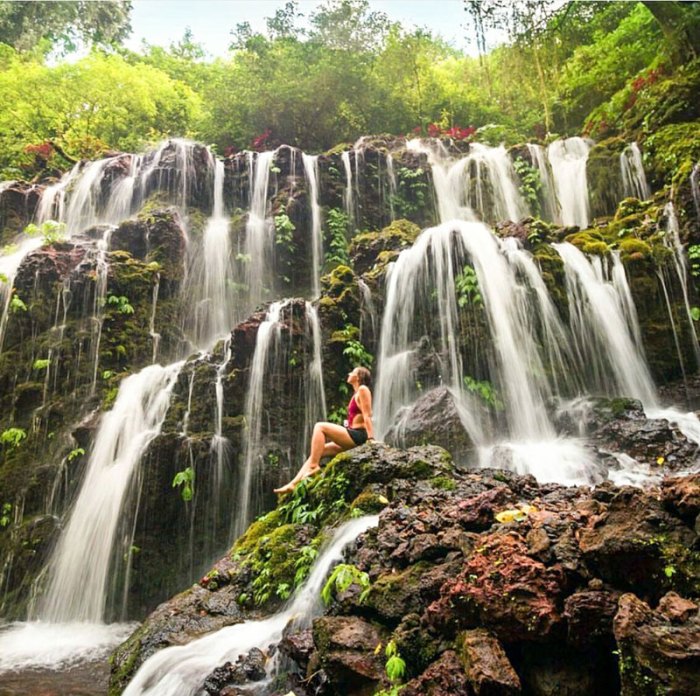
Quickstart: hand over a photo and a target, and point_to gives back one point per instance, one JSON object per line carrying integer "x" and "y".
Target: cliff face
{"x": 108, "y": 299}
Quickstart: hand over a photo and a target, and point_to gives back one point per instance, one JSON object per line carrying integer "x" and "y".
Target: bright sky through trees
{"x": 162, "y": 22}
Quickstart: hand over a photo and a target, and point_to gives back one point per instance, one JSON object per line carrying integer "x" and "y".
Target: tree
{"x": 63, "y": 24}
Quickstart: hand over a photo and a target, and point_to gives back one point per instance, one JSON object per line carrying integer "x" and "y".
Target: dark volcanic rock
{"x": 248, "y": 668}
{"x": 659, "y": 652}
{"x": 487, "y": 667}
{"x": 445, "y": 677}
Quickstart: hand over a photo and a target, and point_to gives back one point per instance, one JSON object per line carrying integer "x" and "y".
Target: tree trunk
{"x": 679, "y": 26}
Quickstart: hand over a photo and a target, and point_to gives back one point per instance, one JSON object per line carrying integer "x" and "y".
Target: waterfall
{"x": 672, "y": 241}
{"x": 155, "y": 336}
{"x": 83, "y": 562}
{"x": 259, "y": 250}
{"x": 634, "y": 180}
{"x": 348, "y": 199}
{"x": 100, "y": 297}
{"x": 568, "y": 159}
{"x": 53, "y": 198}
{"x": 601, "y": 329}
{"x": 482, "y": 183}
{"x": 266, "y": 343}
{"x": 695, "y": 187}
{"x": 393, "y": 184}
{"x": 311, "y": 171}
{"x": 213, "y": 301}
{"x": 181, "y": 670}
{"x": 550, "y": 205}
{"x": 315, "y": 405}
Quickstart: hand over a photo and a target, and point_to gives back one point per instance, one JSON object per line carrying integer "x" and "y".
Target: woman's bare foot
{"x": 284, "y": 489}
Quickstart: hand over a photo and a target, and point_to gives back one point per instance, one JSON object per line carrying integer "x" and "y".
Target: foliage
{"x": 120, "y": 303}
{"x": 16, "y": 304}
{"x": 485, "y": 390}
{"x": 343, "y": 576}
{"x": 5, "y": 511}
{"x": 337, "y": 223}
{"x": 357, "y": 353}
{"x": 694, "y": 258}
{"x": 50, "y": 231}
{"x": 12, "y": 437}
{"x": 185, "y": 479}
{"x": 63, "y": 25}
{"x": 467, "y": 287}
{"x": 530, "y": 183}
{"x": 41, "y": 363}
{"x": 75, "y": 453}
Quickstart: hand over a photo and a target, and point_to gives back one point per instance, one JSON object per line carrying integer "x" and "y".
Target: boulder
{"x": 486, "y": 665}
{"x": 659, "y": 649}
{"x": 434, "y": 418}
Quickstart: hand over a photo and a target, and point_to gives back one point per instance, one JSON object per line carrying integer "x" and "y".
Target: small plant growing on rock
{"x": 341, "y": 578}
{"x": 395, "y": 669}
{"x": 41, "y": 363}
{"x": 121, "y": 303}
{"x": 16, "y": 304}
{"x": 185, "y": 479}
{"x": 5, "y": 514}
{"x": 51, "y": 231}
{"x": 12, "y": 437}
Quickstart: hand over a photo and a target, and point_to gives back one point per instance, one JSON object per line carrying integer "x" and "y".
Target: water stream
{"x": 181, "y": 670}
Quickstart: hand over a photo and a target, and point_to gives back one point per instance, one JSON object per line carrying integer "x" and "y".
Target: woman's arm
{"x": 364, "y": 401}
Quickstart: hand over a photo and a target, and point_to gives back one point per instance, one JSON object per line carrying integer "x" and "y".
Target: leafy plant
{"x": 302, "y": 565}
{"x": 357, "y": 353}
{"x": 185, "y": 479}
{"x": 485, "y": 390}
{"x": 13, "y": 437}
{"x": 343, "y": 576}
{"x": 75, "y": 453}
{"x": 5, "y": 514}
{"x": 121, "y": 303}
{"x": 337, "y": 223}
{"x": 530, "y": 183}
{"x": 694, "y": 258}
{"x": 467, "y": 286}
{"x": 41, "y": 363}
{"x": 50, "y": 230}
{"x": 16, "y": 304}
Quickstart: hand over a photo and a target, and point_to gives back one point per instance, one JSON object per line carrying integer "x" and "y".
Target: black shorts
{"x": 358, "y": 435}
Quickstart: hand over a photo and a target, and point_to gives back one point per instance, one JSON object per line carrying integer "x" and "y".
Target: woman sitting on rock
{"x": 356, "y": 431}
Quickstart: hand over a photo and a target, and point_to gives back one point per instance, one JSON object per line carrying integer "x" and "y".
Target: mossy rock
{"x": 604, "y": 175}
{"x": 365, "y": 248}
{"x": 589, "y": 242}
{"x": 672, "y": 151}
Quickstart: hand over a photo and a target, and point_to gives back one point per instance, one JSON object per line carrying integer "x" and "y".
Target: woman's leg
{"x": 340, "y": 441}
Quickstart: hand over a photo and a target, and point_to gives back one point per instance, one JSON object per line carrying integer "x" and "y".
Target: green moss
{"x": 632, "y": 248}
{"x": 368, "y": 502}
{"x": 604, "y": 176}
{"x": 443, "y": 483}
{"x": 589, "y": 242}
{"x": 671, "y": 152}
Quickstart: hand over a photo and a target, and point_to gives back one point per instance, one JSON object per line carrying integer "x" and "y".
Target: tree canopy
{"x": 343, "y": 71}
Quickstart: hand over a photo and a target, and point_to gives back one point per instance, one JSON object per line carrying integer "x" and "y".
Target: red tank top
{"x": 353, "y": 410}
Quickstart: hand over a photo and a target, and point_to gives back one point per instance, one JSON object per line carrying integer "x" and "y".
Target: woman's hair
{"x": 364, "y": 375}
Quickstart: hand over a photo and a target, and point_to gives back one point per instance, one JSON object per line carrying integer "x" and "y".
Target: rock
{"x": 486, "y": 665}
{"x": 657, "y": 654}
{"x": 366, "y": 248}
{"x": 347, "y": 649}
{"x": 682, "y": 496}
{"x": 445, "y": 677}
{"x": 501, "y": 588}
{"x": 248, "y": 668}
{"x": 589, "y": 616}
{"x": 676, "y": 609}
{"x": 433, "y": 418}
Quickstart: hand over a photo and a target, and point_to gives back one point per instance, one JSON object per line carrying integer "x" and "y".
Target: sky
{"x": 161, "y": 22}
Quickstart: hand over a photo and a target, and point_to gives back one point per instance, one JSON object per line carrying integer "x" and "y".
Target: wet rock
{"x": 17, "y": 207}
{"x": 366, "y": 249}
{"x": 445, "y": 677}
{"x": 589, "y": 616}
{"x": 657, "y": 654}
{"x": 630, "y": 543}
{"x": 248, "y": 668}
{"x": 486, "y": 665}
{"x": 347, "y": 652}
{"x": 434, "y": 418}
{"x": 682, "y": 496}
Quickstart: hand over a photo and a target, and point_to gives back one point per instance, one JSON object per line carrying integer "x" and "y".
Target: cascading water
{"x": 634, "y": 180}
{"x": 259, "y": 247}
{"x": 100, "y": 297}
{"x": 348, "y": 197}
{"x": 212, "y": 275}
{"x": 606, "y": 338}
{"x": 568, "y": 159}
{"x": 181, "y": 670}
{"x": 81, "y": 564}
{"x": 266, "y": 342}
{"x": 550, "y": 205}
{"x": 483, "y": 183}
{"x": 695, "y": 187}
{"x": 311, "y": 171}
